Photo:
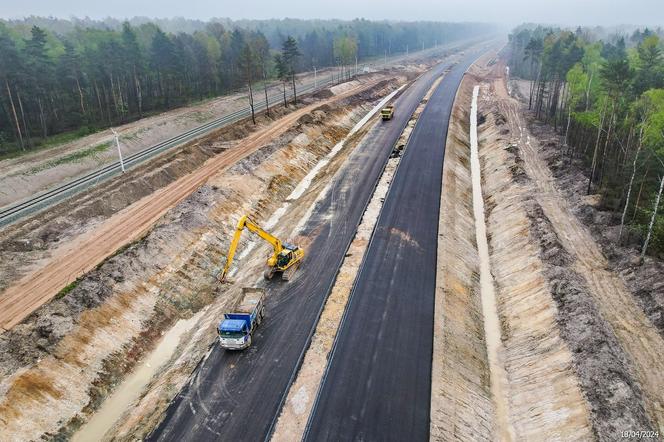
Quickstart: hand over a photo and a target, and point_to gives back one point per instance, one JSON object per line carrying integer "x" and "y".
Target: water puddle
{"x": 494, "y": 345}
{"x": 131, "y": 388}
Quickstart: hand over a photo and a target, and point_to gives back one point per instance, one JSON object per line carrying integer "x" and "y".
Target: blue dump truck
{"x": 237, "y": 328}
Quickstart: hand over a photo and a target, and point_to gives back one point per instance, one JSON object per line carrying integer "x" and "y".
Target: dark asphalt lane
{"x": 377, "y": 386}
{"x": 237, "y": 396}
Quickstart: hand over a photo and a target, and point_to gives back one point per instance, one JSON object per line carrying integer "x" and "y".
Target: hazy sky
{"x": 648, "y": 12}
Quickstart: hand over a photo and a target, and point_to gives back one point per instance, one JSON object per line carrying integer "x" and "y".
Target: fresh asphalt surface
{"x": 377, "y": 386}
{"x": 238, "y": 395}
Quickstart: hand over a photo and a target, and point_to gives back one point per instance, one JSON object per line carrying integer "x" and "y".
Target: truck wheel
{"x": 249, "y": 341}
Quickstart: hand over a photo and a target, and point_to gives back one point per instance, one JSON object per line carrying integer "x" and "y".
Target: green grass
{"x": 11, "y": 150}
{"x": 68, "y": 288}
{"x": 71, "y": 158}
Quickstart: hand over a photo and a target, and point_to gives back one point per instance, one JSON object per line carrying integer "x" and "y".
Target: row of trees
{"x": 59, "y": 76}
{"x": 606, "y": 99}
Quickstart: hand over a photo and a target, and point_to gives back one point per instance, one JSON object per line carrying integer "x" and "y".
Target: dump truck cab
{"x": 234, "y": 334}
{"x": 237, "y": 328}
{"x": 387, "y": 112}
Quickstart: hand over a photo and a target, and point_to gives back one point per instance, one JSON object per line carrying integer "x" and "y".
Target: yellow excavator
{"x": 285, "y": 257}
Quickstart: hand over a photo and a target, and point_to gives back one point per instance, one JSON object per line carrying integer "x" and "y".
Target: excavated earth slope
{"x": 615, "y": 346}
{"x": 579, "y": 350}
{"x": 59, "y": 364}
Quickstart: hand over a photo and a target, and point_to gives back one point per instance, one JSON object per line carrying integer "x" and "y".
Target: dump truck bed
{"x": 251, "y": 298}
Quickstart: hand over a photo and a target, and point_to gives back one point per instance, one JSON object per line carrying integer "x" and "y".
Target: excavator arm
{"x": 247, "y": 223}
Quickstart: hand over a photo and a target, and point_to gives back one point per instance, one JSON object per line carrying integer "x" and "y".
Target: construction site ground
{"x": 545, "y": 327}
{"x": 578, "y": 338}
{"x": 164, "y": 249}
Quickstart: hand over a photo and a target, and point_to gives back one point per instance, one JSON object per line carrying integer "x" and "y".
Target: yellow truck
{"x": 387, "y": 112}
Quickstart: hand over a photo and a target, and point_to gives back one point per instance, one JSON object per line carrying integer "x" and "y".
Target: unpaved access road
{"x": 637, "y": 341}
{"x": 227, "y": 388}
{"x": 79, "y": 256}
{"x": 378, "y": 381}
{"x": 30, "y": 174}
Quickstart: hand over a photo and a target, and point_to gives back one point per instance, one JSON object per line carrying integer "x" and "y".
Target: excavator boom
{"x": 282, "y": 257}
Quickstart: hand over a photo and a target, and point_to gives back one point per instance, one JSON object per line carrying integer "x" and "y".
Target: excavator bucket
{"x": 225, "y": 279}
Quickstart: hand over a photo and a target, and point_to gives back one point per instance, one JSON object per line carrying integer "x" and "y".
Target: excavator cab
{"x": 286, "y": 256}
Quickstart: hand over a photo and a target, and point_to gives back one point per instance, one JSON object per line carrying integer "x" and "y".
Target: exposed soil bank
{"x": 611, "y": 340}
{"x": 461, "y": 405}
{"x": 116, "y": 313}
{"x": 495, "y": 348}
{"x": 130, "y": 389}
{"x": 541, "y": 396}
{"x": 545, "y": 397}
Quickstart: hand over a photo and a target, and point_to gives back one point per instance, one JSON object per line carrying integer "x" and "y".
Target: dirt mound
{"x": 601, "y": 363}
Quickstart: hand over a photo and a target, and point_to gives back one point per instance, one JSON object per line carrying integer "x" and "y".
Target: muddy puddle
{"x": 129, "y": 390}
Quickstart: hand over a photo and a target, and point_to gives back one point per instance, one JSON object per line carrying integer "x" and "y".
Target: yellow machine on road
{"x": 284, "y": 259}
{"x": 387, "y": 112}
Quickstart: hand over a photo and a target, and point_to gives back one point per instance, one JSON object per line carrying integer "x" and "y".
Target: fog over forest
{"x": 510, "y": 12}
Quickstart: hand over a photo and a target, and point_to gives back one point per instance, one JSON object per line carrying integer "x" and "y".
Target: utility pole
{"x": 356, "y": 65}
{"x": 406, "y": 49}
{"x": 385, "y": 62}
{"x": 315, "y": 78}
{"x": 117, "y": 144}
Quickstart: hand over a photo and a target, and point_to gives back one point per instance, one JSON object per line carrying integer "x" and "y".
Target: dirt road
{"x": 34, "y": 172}
{"x": 635, "y": 333}
{"x": 71, "y": 260}
{"x": 550, "y": 267}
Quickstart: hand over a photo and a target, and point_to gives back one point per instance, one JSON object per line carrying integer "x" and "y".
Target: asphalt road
{"x": 377, "y": 386}
{"x": 237, "y": 396}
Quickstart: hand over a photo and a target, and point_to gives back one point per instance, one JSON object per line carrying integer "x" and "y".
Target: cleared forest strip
{"x": 83, "y": 254}
{"x": 636, "y": 335}
{"x": 612, "y": 344}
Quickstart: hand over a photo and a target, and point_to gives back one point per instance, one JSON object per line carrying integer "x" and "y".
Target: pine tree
{"x": 290, "y": 55}
{"x": 9, "y": 71}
